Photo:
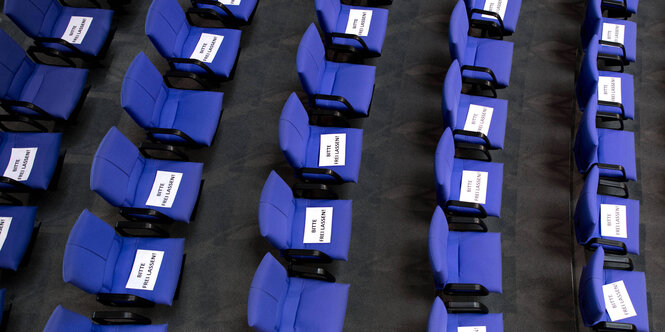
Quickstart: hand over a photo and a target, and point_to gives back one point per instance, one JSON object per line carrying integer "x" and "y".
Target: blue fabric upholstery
{"x": 124, "y": 178}
{"x": 23, "y": 80}
{"x": 333, "y": 17}
{"x": 353, "y": 82}
{"x": 509, "y": 18}
{"x": 441, "y": 321}
{"x": 242, "y": 11}
{"x": 455, "y": 108}
{"x": 97, "y": 260}
{"x": 49, "y": 19}
{"x": 592, "y": 303}
{"x": 605, "y": 146}
{"x": 496, "y": 55}
{"x": 64, "y": 320}
{"x": 18, "y": 236}
{"x": 464, "y": 257}
{"x": 281, "y": 303}
{"x": 152, "y": 104}
{"x": 46, "y": 159}
{"x": 593, "y": 26}
{"x": 173, "y": 37}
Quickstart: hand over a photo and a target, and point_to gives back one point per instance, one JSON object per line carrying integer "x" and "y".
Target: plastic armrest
{"x": 51, "y": 52}
{"x": 310, "y": 272}
{"x": 477, "y": 134}
{"x": 618, "y": 263}
{"x": 616, "y": 247}
{"x": 203, "y": 84}
{"x": 465, "y": 289}
{"x": 482, "y": 23}
{"x": 196, "y": 3}
{"x": 612, "y": 326}
{"x": 605, "y": 187}
{"x": 482, "y": 70}
{"x": 206, "y": 13}
{"x": 140, "y": 229}
{"x": 295, "y": 255}
{"x": 481, "y": 84}
{"x": 7, "y": 104}
{"x": 339, "y": 99}
{"x": 480, "y": 214}
{"x": 321, "y": 171}
{"x": 470, "y": 151}
{"x": 313, "y": 191}
{"x": 173, "y": 61}
{"x": 123, "y": 300}
{"x": 92, "y": 2}
{"x": 465, "y": 224}
{"x": 119, "y": 318}
{"x": 328, "y": 118}
{"x": 23, "y": 119}
{"x": 140, "y": 214}
{"x": 7, "y": 199}
{"x": 603, "y": 119}
{"x": 18, "y": 186}
{"x": 357, "y": 38}
{"x": 616, "y": 3}
{"x": 52, "y": 40}
{"x": 176, "y": 154}
{"x": 621, "y": 58}
{"x": 169, "y": 131}
{"x": 611, "y": 167}
{"x": 614, "y": 104}
{"x": 455, "y": 307}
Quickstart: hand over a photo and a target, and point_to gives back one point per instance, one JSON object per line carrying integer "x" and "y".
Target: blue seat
{"x": 179, "y": 42}
{"x": 464, "y": 263}
{"x": 482, "y": 60}
{"x": 18, "y": 150}
{"x": 455, "y": 108}
{"x": 613, "y": 151}
{"x": 301, "y": 144}
{"x": 229, "y": 12}
{"x": 603, "y": 270}
{"x": 334, "y": 19}
{"x": 595, "y": 24}
{"x": 47, "y": 22}
{"x": 98, "y": 261}
{"x": 441, "y": 320}
{"x": 592, "y": 82}
{"x": 483, "y": 14}
{"x": 449, "y": 173}
{"x": 169, "y": 115}
{"x": 278, "y": 302}
{"x": 283, "y": 221}
{"x": 36, "y": 90}
{"x": 333, "y": 85}
{"x": 16, "y": 230}
{"x": 64, "y": 320}
{"x": 591, "y": 225}
{"x": 128, "y": 180}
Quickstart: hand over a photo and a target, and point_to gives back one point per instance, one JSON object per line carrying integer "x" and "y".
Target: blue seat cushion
{"x": 629, "y": 40}
{"x": 636, "y": 286}
{"x": 242, "y": 11}
{"x": 493, "y": 322}
{"x": 497, "y": 130}
{"x": 313, "y": 305}
{"x": 494, "y": 183}
{"x": 97, "y": 33}
{"x": 353, "y": 82}
{"x": 45, "y": 89}
{"x": 340, "y": 236}
{"x": 496, "y": 55}
{"x": 475, "y": 258}
{"x": 377, "y": 28}
{"x": 18, "y": 236}
{"x": 509, "y": 18}
{"x": 187, "y": 193}
{"x": 632, "y": 222}
{"x": 627, "y": 95}
{"x": 222, "y": 64}
{"x": 169, "y": 271}
{"x": 354, "y": 145}
{"x": 617, "y": 147}
{"x": 46, "y": 159}
{"x": 196, "y": 113}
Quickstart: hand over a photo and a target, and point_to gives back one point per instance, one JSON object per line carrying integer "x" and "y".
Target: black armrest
{"x": 614, "y": 3}
{"x": 470, "y": 151}
{"x": 169, "y": 131}
{"x": 295, "y": 255}
{"x": 313, "y": 191}
{"x": 619, "y": 247}
{"x": 207, "y": 13}
{"x": 619, "y": 59}
{"x": 51, "y": 40}
{"x": 465, "y": 224}
{"x": 476, "y": 134}
{"x": 141, "y": 214}
{"x": 23, "y": 119}
{"x": 173, "y": 61}
{"x": 613, "y": 104}
{"x": 606, "y": 186}
{"x": 465, "y": 289}
{"x": 322, "y": 171}
{"x": 481, "y": 85}
{"x": 618, "y": 263}
{"x": 93, "y": 2}
{"x": 337, "y": 99}
{"x": 218, "y": 4}
{"x": 486, "y": 25}
{"x": 203, "y": 84}
{"x": 7, "y": 104}
{"x": 50, "y": 52}
{"x": 612, "y": 326}
{"x": 330, "y": 36}
{"x": 611, "y": 167}
{"x": 310, "y": 272}
{"x": 119, "y": 318}
{"x": 480, "y": 214}
{"x": 482, "y": 70}
{"x": 8, "y": 199}
{"x": 604, "y": 119}
{"x": 328, "y": 118}
{"x": 466, "y": 308}
{"x": 18, "y": 186}
{"x": 123, "y": 300}
{"x": 177, "y": 155}
{"x": 140, "y": 229}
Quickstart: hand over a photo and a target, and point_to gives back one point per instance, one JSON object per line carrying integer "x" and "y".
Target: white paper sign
{"x": 613, "y": 220}
{"x": 207, "y": 47}
{"x": 5, "y": 222}
{"x": 318, "y": 225}
{"x": 474, "y": 187}
{"x": 20, "y": 163}
{"x": 471, "y": 329}
{"x": 609, "y": 89}
{"x": 358, "y": 23}
{"x": 76, "y": 29}
{"x": 479, "y": 118}
{"x": 164, "y": 189}
{"x": 230, "y": 2}
{"x": 496, "y": 6}
{"x": 145, "y": 269}
{"x": 332, "y": 150}
{"x": 613, "y": 32}
{"x": 617, "y": 301}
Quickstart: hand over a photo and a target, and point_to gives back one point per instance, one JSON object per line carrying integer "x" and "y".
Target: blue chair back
{"x": 35, "y": 17}
{"x": 593, "y": 21}
{"x": 267, "y": 294}
{"x": 452, "y": 90}
{"x": 444, "y": 159}
{"x": 327, "y": 12}
{"x": 65, "y": 320}
{"x": 143, "y": 92}
{"x": 294, "y": 131}
{"x": 592, "y": 303}
{"x": 586, "y": 140}
{"x": 438, "y": 317}
{"x": 310, "y": 60}
{"x": 276, "y": 209}
{"x": 167, "y": 27}
{"x": 587, "y": 81}
{"x": 438, "y": 247}
{"x": 586, "y": 211}
{"x": 15, "y": 67}
{"x": 458, "y": 33}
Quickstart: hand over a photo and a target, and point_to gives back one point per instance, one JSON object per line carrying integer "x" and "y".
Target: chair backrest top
{"x": 294, "y": 131}
{"x": 276, "y": 209}
{"x": 450, "y": 96}
{"x": 592, "y": 303}
{"x": 143, "y": 92}
{"x": 438, "y": 246}
{"x": 15, "y": 67}
{"x": 35, "y": 17}
{"x": 458, "y": 32}
{"x": 167, "y": 27}
{"x": 587, "y": 82}
{"x": 587, "y": 209}
{"x": 267, "y": 294}
{"x": 586, "y": 140}
{"x": 63, "y": 319}
{"x": 438, "y": 317}
{"x": 327, "y": 12}
{"x": 444, "y": 159}
{"x": 310, "y": 60}
{"x": 593, "y": 21}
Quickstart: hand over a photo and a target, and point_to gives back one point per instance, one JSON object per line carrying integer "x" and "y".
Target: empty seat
{"x": 120, "y": 270}
{"x": 610, "y": 279}
{"x": 278, "y": 302}
{"x": 228, "y": 12}
{"x": 473, "y": 119}
{"x": 359, "y": 30}
{"x": 64, "y": 320}
{"x": 484, "y": 61}
{"x": 618, "y": 38}
{"x": 16, "y": 230}
{"x": 498, "y": 18}
{"x": 466, "y": 262}
{"x": 462, "y": 314}
{"x": 30, "y": 160}
{"x": 318, "y": 153}
{"x": 169, "y": 115}
{"x": 333, "y": 85}
{"x": 145, "y": 188}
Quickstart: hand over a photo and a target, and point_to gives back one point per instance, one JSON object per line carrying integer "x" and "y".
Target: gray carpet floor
{"x": 388, "y": 269}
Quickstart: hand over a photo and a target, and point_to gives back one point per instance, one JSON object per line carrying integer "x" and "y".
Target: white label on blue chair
{"x": 318, "y": 225}
{"x": 77, "y": 29}
{"x": 471, "y": 329}
{"x": 613, "y": 220}
{"x": 609, "y": 89}
{"x": 230, "y": 2}
{"x": 332, "y": 150}
{"x": 358, "y": 23}
{"x": 474, "y": 187}
{"x": 617, "y": 301}
{"x": 20, "y": 163}
{"x": 145, "y": 269}
{"x": 164, "y": 189}
{"x": 495, "y": 6}
{"x": 5, "y": 222}
{"x": 479, "y": 118}
{"x": 207, "y": 47}
{"x": 613, "y": 32}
